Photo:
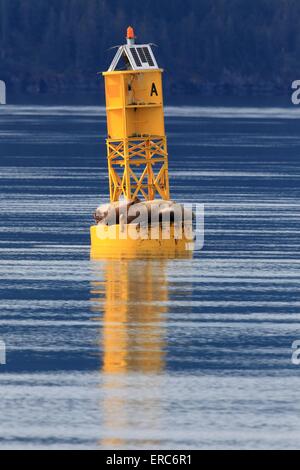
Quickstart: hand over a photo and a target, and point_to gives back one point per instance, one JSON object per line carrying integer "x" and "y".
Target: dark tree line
{"x": 59, "y": 45}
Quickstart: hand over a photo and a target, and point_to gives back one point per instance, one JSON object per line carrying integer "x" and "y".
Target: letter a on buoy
{"x": 154, "y": 90}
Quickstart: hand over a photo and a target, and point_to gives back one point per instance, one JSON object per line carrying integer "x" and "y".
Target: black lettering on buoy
{"x": 154, "y": 90}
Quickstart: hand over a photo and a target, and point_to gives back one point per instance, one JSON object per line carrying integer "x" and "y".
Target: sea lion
{"x": 109, "y": 214}
{"x": 142, "y": 212}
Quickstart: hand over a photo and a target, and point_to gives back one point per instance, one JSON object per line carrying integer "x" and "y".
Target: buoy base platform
{"x": 131, "y": 240}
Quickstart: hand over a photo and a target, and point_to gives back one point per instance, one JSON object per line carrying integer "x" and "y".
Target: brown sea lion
{"x": 142, "y": 212}
{"x": 109, "y": 214}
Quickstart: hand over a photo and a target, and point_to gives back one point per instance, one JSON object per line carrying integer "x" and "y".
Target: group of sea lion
{"x": 142, "y": 212}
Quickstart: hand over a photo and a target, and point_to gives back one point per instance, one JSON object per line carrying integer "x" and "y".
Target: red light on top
{"x": 130, "y": 33}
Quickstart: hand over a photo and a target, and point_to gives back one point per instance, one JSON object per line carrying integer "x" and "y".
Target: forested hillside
{"x": 223, "y": 46}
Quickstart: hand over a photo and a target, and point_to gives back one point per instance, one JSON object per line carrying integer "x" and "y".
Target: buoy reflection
{"x": 130, "y": 302}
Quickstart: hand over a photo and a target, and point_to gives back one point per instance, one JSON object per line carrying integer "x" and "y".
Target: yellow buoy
{"x": 137, "y": 155}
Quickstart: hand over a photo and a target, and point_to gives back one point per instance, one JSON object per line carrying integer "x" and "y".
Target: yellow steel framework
{"x": 138, "y": 167}
{"x": 136, "y": 145}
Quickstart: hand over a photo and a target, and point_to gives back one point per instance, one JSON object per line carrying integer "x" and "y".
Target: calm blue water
{"x": 150, "y": 353}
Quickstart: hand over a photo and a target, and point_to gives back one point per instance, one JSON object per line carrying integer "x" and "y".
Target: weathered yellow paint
{"x": 136, "y": 145}
{"x": 109, "y": 241}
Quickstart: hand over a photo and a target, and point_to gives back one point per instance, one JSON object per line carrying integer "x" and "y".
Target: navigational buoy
{"x": 140, "y": 218}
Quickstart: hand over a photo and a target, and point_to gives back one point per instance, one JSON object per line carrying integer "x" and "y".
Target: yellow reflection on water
{"x": 129, "y": 299}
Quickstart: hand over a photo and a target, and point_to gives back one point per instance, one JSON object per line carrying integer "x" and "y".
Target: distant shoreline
{"x": 92, "y": 83}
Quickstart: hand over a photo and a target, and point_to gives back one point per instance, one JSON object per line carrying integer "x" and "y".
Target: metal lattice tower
{"x": 136, "y": 144}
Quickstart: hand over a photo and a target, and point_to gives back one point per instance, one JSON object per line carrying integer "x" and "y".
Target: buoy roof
{"x": 133, "y": 56}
